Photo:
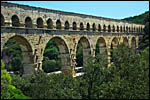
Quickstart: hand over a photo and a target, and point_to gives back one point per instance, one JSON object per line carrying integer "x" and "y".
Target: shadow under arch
{"x": 86, "y": 50}
{"x": 26, "y": 52}
{"x": 114, "y": 44}
{"x": 101, "y": 47}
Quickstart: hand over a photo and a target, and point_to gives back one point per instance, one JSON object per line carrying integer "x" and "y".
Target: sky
{"x": 109, "y": 9}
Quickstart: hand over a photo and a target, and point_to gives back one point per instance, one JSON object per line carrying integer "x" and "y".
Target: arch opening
{"x": 94, "y": 27}
{"x": 28, "y": 22}
{"x": 74, "y": 26}
{"x": 49, "y": 24}
{"x": 104, "y": 28}
{"x": 113, "y": 28}
{"x": 58, "y": 24}
{"x": 88, "y": 27}
{"x": 81, "y": 26}
{"x": 117, "y": 28}
{"x": 66, "y": 25}
{"x": 57, "y": 55}
{"x": 114, "y": 45}
{"x": 109, "y": 28}
{"x": 82, "y": 51}
{"x": 15, "y": 21}
{"x": 17, "y": 54}
{"x": 39, "y": 23}
{"x": 125, "y": 41}
{"x": 101, "y": 47}
{"x": 99, "y": 27}
{"x": 133, "y": 43}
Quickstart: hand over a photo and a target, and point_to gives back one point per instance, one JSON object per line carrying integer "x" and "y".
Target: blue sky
{"x": 110, "y": 9}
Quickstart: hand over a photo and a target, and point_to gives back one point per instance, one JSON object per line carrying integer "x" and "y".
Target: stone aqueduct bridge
{"x": 33, "y": 27}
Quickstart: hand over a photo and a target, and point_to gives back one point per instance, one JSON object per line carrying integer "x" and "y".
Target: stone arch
{"x": 88, "y": 27}
{"x": 58, "y": 24}
{"x": 117, "y": 28}
{"x": 104, "y": 28}
{"x": 63, "y": 53}
{"x": 86, "y": 48}
{"x": 28, "y": 22}
{"x": 2, "y": 20}
{"x": 81, "y": 26}
{"x": 15, "y": 21}
{"x": 124, "y": 29}
{"x": 67, "y": 25}
{"x": 99, "y": 27}
{"x": 125, "y": 40}
{"x": 94, "y": 27}
{"x": 49, "y": 24}
{"x": 74, "y": 26}
{"x": 127, "y": 29}
{"x": 27, "y": 53}
{"x": 102, "y": 46}
{"x": 109, "y": 28}
{"x": 39, "y": 22}
{"x": 120, "y": 28}
{"x": 114, "y": 44}
{"x": 113, "y": 28}
{"x": 133, "y": 43}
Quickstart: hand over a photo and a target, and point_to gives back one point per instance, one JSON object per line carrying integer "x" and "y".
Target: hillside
{"x": 139, "y": 19}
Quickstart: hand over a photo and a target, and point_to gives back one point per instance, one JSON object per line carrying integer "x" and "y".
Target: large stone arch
{"x": 133, "y": 43}
{"x": 28, "y": 22}
{"x": 15, "y": 21}
{"x": 27, "y": 53}
{"x": 86, "y": 48}
{"x": 125, "y": 40}
{"x": 102, "y": 46}
{"x": 63, "y": 53}
{"x": 114, "y": 44}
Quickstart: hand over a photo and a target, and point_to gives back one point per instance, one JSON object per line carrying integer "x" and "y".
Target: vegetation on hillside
{"x": 139, "y": 19}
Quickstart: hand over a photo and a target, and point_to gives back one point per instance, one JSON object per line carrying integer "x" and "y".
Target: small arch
{"x": 109, "y": 28}
{"x": 66, "y": 25}
{"x": 2, "y": 20}
{"x": 117, "y": 28}
{"x": 28, "y": 22}
{"x": 104, "y": 28}
{"x": 120, "y": 28}
{"x": 99, "y": 27}
{"x": 58, "y": 24}
{"x": 88, "y": 27}
{"x": 113, "y": 28}
{"x": 15, "y": 21}
{"x": 39, "y": 23}
{"x": 94, "y": 27}
{"x": 127, "y": 29}
{"x": 74, "y": 26}
{"x": 49, "y": 24}
{"x": 81, "y": 26}
{"x": 124, "y": 29}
